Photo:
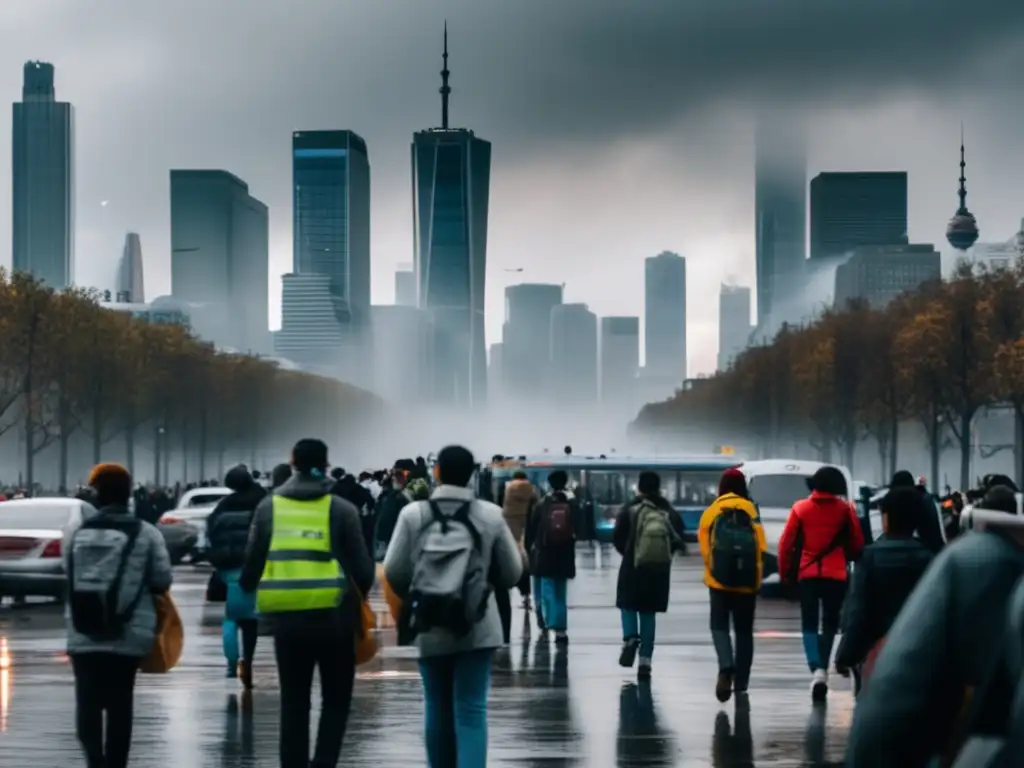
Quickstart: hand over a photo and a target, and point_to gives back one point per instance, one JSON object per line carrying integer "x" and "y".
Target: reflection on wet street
{"x": 548, "y": 707}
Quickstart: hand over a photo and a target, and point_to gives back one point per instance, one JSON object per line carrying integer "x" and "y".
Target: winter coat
{"x": 227, "y": 527}
{"x": 549, "y": 561}
{"x": 813, "y": 525}
{"x": 520, "y": 498}
{"x": 886, "y": 574}
{"x": 389, "y": 506}
{"x": 645, "y": 590}
{"x": 705, "y": 536}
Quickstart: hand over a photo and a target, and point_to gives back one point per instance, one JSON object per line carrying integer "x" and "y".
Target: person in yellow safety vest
{"x": 309, "y": 566}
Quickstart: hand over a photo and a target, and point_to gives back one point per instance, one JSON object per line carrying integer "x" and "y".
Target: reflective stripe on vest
{"x": 301, "y": 573}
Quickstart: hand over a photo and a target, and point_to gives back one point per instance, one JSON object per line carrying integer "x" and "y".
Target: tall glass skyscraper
{"x": 130, "y": 285}
{"x": 42, "y": 164}
{"x": 331, "y": 210}
{"x": 665, "y": 316}
{"x": 451, "y": 171}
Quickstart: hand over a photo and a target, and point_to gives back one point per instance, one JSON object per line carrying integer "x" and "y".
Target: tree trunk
{"x": 1018, "y": 443}
{"x": 883, "y": 457}
{"x": 30, "y": 430}
{"x": 202, "y": 442}
{"x": 934, "y": 447}
{"x": 894, "y": 441}
{"x": 129, "y": 446}
{"x": 966, "y": 419}
{"x": 97, "y": 437}
{"x": 65, "y": 437}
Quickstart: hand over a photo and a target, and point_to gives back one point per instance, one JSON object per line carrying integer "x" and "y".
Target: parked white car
{"x": 193, "y": 509}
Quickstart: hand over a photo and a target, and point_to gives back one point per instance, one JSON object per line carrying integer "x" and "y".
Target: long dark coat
{"x": 550, "y": 562}
{"x": 644, "y": 590}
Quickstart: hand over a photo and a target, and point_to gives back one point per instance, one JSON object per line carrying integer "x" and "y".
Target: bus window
{"x": 606, "y": 487}
{"x": 697, "y": 489}
{"x": 669, "y": 485}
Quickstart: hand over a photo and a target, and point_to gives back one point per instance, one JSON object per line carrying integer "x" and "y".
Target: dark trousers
{"x": 740, "y": 609}
{"x": 821, "y": 604}
{"x": 104, "y": 684}
{"x": 297, "y": 657}
{"x": 504, "y": 600}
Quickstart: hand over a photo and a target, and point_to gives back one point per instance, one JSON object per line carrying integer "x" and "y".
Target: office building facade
{"x": 527, "y": 337}
{"x": 130, "y": 286}
{"x": 42, "y": 176}
{"x": 220, "y": 253}
{"x": 665, "y": 316}
{"x": 878, "y": 274}
{"x": 996, "y": 256}
{"x": 314, "y": 323}
{"x": 849, "y": 210}
{"x": 733, "y": 323}
{"x": 331, "y": 215}
{"x": 619, "y": 359}
{"x": 574, "y": 355}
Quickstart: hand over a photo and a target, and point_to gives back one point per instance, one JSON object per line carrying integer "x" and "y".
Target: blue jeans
{"x": 455, "y": 689}
{"x": 640, "y": 625}
{"x": 239, "y": 616}
{"x": 556, "y": 613}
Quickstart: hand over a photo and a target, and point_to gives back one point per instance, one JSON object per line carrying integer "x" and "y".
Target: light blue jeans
{"x": 640, "y": 625}
{"x": 455, "y": 689}
{"x": 556, "y": 613}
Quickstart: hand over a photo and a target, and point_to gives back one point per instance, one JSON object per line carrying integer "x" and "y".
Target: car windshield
{"x": 205, "y": 499}
{"x": 777, "y": 491}
{"x": 29, "y": 517}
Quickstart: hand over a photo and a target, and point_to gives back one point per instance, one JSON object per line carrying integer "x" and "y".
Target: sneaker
{"x": 561, "y": 638}
{"x": 232, "y": 670}
{"x": 630, "y": 646}
{"x": 723, "y": 686}
{"x": 819, "y": 685}
{"x": 643, "y": 672}
{"x": 245, "y": 673}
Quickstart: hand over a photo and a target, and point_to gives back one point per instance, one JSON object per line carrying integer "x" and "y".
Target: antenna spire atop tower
{"x": 445, "y": 89}
{"x": 963, "y": 177}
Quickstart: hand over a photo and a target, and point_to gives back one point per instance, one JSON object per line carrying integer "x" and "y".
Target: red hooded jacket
{"x": 814, "y": 524}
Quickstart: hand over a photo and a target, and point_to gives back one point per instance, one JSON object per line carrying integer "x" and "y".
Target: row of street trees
{"x": 938, "y": 355}
{"x": 70, "y": 370}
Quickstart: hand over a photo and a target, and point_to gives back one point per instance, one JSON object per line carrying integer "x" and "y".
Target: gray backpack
{"x": 450, "y": 589}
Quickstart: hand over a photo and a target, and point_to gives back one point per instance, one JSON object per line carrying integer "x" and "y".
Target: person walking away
{"x": 280, "y": 475}
{"x": 822, "y": 535}
{"x": 115, "y": 564}
{"x": 520, "y": 499}
{"x": 310, "y": 569}
{"x": 648, "y": 532}
{"x": 389, "y": 506}
{"x": 550, "y": 540}
{"x": 438, "y": 563}
{"x": 732, "y": 544}
{"x": 348, "y": 488}
{"x": 886, "y": 574}
{"x": 929, "y": 520}
{"x": 939, "y": 651}
{"x": 227, "y": 532}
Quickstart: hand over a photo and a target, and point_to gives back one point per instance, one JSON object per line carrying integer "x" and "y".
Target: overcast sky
{"x": 620, "y": 129}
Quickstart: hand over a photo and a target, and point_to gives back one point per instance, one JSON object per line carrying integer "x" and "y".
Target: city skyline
{"x": 545, "y": 217}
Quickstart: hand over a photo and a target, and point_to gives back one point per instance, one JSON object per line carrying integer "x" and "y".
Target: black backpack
{"x": 94, "y": 599}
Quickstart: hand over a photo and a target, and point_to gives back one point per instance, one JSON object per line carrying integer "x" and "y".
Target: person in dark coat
{"x": 642, "y": 591}
{"x": 280, "y": 475}
{"x": 929, "y": 520}
{"x": 227, "y": 530}
{"x": 550, "y": 541}
{"x": 347, "y": 487}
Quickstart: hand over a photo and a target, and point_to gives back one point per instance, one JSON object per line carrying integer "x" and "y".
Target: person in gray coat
{"x": 112, "y": 557}
{"x": 456, "y": 670}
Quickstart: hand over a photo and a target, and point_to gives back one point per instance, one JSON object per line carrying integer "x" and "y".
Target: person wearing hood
{"x": 390, "y": 504}
{"x": 929, "y": 521}
{"x": 822, "y": 535}
{"x": 280, "y": 475}
{"x": 550, "y": 541}
{"x": 347, "y": 487}
{"x": 732, "y": 544}
{"x": 227, "y": 532}
{"x": 310, "y": 569}
{"x": 648, "y": 532}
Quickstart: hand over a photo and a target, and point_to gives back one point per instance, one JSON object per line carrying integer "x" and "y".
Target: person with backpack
{"x": 886, "y": 574}
{"x": 550, "y": 541}
{"x": 227, "y": 530}
{"x": 389, "y": 506}
{"x": 115, "y": 565}
{"x": 310, "y": 569}
{"x": 447, "y": 556}
{"x": 822, "y": 535}
{"x": 732, "y": 544}
{"x": 648, "y": 532}
{"x": 943, "y": 655}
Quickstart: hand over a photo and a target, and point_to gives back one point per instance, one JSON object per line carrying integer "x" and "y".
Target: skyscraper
{"x": 405, "y": 286}
{"x": 880, "y": 273}
{"x": 620, "y": 359}
{"x": 312, "y": 323}
{"x": 130, "y": 286}
{"x": 331, "y": 215}
{"x": 451, "y": 170}
{"x": 574, "y": 354}
{"x": 220, "y": 253}
{"x": 42, "y": 166}
{"x": 849, "y": 210}
{"x": 527, "y": 337}
{"x": 780, "y": 209}
{"x": 733, "y": 323}
{"x": 665, "y": 316}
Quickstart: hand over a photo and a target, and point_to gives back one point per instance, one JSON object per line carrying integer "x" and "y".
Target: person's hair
{"x": 558, "y": 480}
{"x": 1000, "y": 498}
{"x": 733, "y": 481}
{"x": 238, "y": 478}
{"x": 519, "y": 475}
{"x": 364, "y": 475}
{"x": 455, "y": 466}
{"x": 309, "y": 457}
{"x": 280, "y": 475}
{"x": 112, "y": 484}
{"x": 992, "y": 481}
{"x": 902, "y": 479}
{"x": 497, "y": 457}
{"x": 649, "y": 483}
{"x": 902, "y": 509}
{"x": 828, "y": 479}
{"x": 337, "y": 473}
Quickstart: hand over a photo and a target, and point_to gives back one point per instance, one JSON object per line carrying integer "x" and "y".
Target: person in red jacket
{"x": 821, "y": 536}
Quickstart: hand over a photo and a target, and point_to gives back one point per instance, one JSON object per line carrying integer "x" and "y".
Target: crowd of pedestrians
{"x": 924, "y": 621}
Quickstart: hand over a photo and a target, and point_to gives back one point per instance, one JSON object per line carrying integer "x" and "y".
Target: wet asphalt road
{"x": 546, "y": 709}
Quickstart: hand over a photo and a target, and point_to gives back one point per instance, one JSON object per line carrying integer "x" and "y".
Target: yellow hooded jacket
{"x": 705, "y": 534}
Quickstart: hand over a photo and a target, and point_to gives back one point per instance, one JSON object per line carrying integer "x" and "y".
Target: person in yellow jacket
{"x": 732, "y": 543}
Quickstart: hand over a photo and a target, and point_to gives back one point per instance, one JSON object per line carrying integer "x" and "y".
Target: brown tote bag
{"x": 366, "y": 637}
{"x": 170, "y": 638}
